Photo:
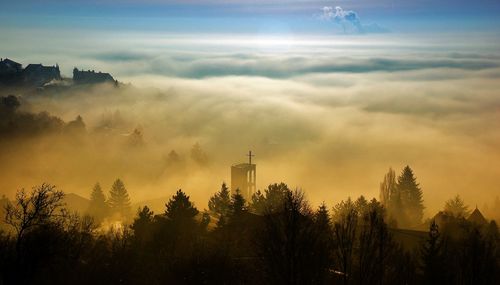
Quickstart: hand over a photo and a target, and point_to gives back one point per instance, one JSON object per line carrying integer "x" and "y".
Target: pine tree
{"x": 179, "y": 208}
{"x": 237, "y": 204}
{"x": 220, "y": 202}
{"x": 142, "y": 224}
{"x": 432, "y": 257}
{"x": 411, "y": 197}
{"x": 119, "y": 201}
{"x": 198, "y": 155}
{"x": 98, "y": 207}
{"x": 257, "y": 203}
{"x": 322, "y": 216}
{"x": 345, "y": 224}
{"x": 323, "y": 226}
{"x": 361, "y": 205}
{"x": 205, "y": 220}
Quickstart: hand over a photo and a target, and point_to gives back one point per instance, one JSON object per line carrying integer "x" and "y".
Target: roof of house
{"x": 11, "y": 62}
{"x": 477, "y": 217}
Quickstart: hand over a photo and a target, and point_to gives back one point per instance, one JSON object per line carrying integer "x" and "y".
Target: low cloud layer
{"x": 329, "y": 116}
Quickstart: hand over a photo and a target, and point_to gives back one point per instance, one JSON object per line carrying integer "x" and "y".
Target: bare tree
{"x": 30, "y": 210}
{"x": 344, "y": 232}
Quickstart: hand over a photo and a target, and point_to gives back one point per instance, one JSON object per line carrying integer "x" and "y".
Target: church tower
{"x": 243, "y": 178}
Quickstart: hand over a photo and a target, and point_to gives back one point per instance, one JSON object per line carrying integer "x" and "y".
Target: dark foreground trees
{"x": 277, "y": 238}
{"x": 290, "y": 244}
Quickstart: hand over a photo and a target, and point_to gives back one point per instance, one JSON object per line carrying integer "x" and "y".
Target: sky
{"x": 248, "y": 16}
{"x": 328, "y": 94}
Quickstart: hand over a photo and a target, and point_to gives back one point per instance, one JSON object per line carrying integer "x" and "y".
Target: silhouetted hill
{"x": 76, "y": 203}
{"x": 156, "y": 205}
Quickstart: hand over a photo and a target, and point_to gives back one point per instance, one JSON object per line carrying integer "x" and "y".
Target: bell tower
{"x": 243, "y": 178}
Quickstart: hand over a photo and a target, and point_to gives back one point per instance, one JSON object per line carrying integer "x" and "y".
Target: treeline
{"x": 15, "y": 122}
{"x": 277, "y": 238}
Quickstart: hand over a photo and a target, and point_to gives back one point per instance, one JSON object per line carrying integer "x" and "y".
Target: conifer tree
{"x": 142, "y": 224}
{"x": 361, "y": 205}
{"x": 205, "y": 220}
{"x": 323, "y": 227}
{"x": 345, "y": 219}
{"x": 271, "y": 200}
{"x": 198, "y": 155}
{"x": 179, "y": 208}
{"x": 98, "y": 207}
{"x": 431, "y": 256}
{"x": 257, "y": 203}
{"x": 237, "y": 204}
{"x": 322, "y": 216}
{"x": 119, "y": 201}
{"x": 411, "y": 198}
{"x": 220, "y": 202}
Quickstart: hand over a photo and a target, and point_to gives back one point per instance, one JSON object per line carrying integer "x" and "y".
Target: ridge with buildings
{"x": 37, "y": 75}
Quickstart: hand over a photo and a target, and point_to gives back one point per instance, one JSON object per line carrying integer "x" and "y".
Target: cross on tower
{"x": 250, "y": 156}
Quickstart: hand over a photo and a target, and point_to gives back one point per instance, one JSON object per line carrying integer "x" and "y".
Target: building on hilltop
{"x": 8, "y": 66}
{"x": 10, "y": 72}
{"x": 39, "y": 75}
{"x": 91, "y": 77}
{"x": 243, "y": 178}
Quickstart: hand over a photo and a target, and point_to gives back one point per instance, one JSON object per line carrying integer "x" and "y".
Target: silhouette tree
{"x": 271, "y": 200}
{"x": 388, "y": 187}
{"x": 136, "y": 138}
{"x": 77, "y": 126}
{"x": 205, "y": 220}
{"x": 344, "y": 231}
{"x": 198, "y": 155}
{"x": 431, "y": 252}
{"x": 257, "y": 203}
{"x": 238, "y": 204}
{"x": 456, "y": 207}
{"x": 179, "y": 208}
{"x": 289, "y": 247}
{"x": 220, "y": 202}
{"x": 411, "y": 198}
{"x": 142, "y": 225}
{"x": 324, "y": 232}
{"x": 98, "y": 207}
{"x": 361, "y": 205}
{"x": 374, "y": 245}
{"x": 119, "y": 201}
{"x": 288, "y": 244}
{"x": 33, "y": 210}
{"x": 390, "y": 198}
{"x": 9, "y": 104}
{"x": 322, "y": 218}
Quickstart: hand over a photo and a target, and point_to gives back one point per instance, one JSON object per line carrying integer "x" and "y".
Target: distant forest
{"x": 275, "y": 238}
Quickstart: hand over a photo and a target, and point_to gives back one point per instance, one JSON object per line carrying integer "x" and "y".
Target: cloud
{"x": 349, "y": 21}
{"x": 251, "y": 64}
{"x": 317, "y": 114}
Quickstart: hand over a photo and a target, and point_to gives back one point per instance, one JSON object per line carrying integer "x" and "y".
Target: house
{"x": 477, "y": 218}
{"x": 8, "y": 66}
{"x": 91, "y": 77}
{"x": 39, "y": 75}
